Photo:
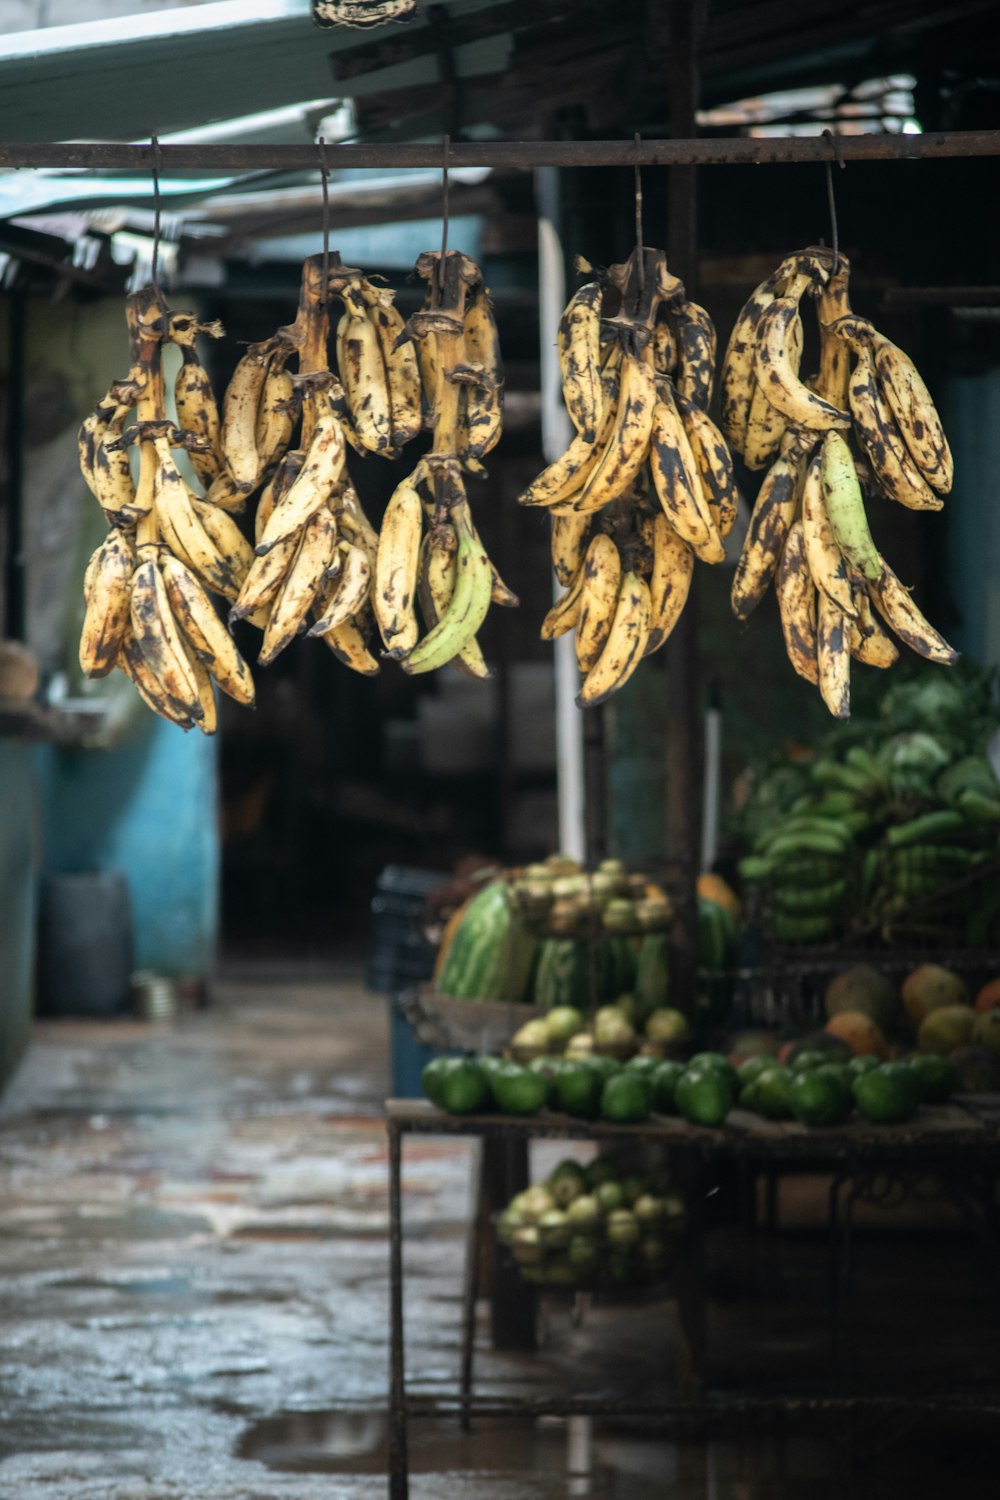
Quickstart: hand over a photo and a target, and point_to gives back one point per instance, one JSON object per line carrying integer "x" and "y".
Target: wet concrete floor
{"x": 193, "y": 1293}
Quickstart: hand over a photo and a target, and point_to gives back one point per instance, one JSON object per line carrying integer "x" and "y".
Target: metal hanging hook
{"x": 831, "y": 200}
{"x": 444, "y": 214}
{"x": 157, "y": 162}
{"x": 638, "y": 217}
{"x": 324, "y": 173}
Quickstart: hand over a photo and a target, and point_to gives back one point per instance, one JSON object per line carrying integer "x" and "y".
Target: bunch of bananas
{"x": 314, "y": 546}
{"x": 647, "y": 483}
{"x": 147, "y": 587}
{"x": 809, "y": 529}
{"x": 429, "y": 552}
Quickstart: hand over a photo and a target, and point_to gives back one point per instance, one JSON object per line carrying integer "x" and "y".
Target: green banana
{"x": 845, "y": 507}
{"x": 468, "y": 606}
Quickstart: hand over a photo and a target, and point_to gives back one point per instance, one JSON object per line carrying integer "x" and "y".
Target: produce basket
{"x": 482, "y": 1026}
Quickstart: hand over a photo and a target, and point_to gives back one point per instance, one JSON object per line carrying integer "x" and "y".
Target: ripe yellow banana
{"x": 210, "y": 640}
{"x": 158, "y": 638}
{"x": 916, "y": 416}
{"x": 570, "y": 534}
{"x": 134, "y": 665}
{"x": 224, "y": 494}
{"x": 869, "y": 642}
{"x": 197, "y": 410}
{"x": 602, "y": 576}
{"x": 266, "y": 574}
{"x": 275, "y": 420}
{"x": 899, "y": 612}
{"x": 565, "y": 612}
{"x": 776, "y": 364}
{"x": 399, "y": 358}
{"x": 468, "y": 606}
{"x": 833, "y": 657}
{"x": 301, "y": 586}
{"x": 579, "y": 344}
{"x": 677, "y": 482}
{"x": 696, "y": 350}
{"x": 350, "y": 590}
{"x": 355, "y": 525}
{"x": 833, "y": 377}
{"x": 209, "y": 721}
{"x": 773, "y": 513}
{"x": 110, "y": 475}
{"x": 714, "y": 463}
{"x": 229, "y": 540}
{"x": 875, "y": 426}
{"x": 181, "y": 521}
{"x": 669, "y": 582}
{"x": 394, "y": 593}
{"x": 319, "y": 477}
{"x": 845, "y": 507}
{"x": 626, "y": 449}
{"x": 826, "y": 563}
{"x": 737, "y": 380}
{"x": 349, "y": 646}
{"x": 107, "y": 591}
{"x": 238, "y": 434}
{"x": 797, "y": 605}
{"x": 665, "y": 352}
{"x": 483, "y": 407}
{"x": 626, "y": 643}
{"x": 363, "y": 374}
{"x": 765, "y": 430}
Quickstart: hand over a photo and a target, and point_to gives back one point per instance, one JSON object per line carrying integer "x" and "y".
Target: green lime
{"x": 883, "y": 1095}
{"x": 751, "y": 1068}
{"x": 664, "y": 1080}
{"x": 716, "y": 1061}
{"x": 464, "y": 1087}
{"x": 622, "y": 1229}
{"x": 609, "y": 1195}
{"x": 433, "y": 1077}
{"x": 606, "y": 1066}
{"x": 804, "y": 1062}
{"x": 518, "y": 1091}
{"x": 863, "y": 1064}
{"x": 554, "y": 1229}
{"x": 704, "y": 1095}
{"x": 584, "y": 1254}
{"x": 577, "y": 1090}
{"x": 936, "y": 1075}
{"x": 772, "y": 1093}
{"x": 626, "y": 1097}
{"x": 549, "y": 1069}
{"x": 907, "y": 1077}
{"x": 601, "y": 1169}
{"x": 840, "y": 1071}
{"x": 490, "y": 1064}
{"x": 567, "y": 1182}
{"x": 643, "y": 1065}
{"x": 819, "y": 1098}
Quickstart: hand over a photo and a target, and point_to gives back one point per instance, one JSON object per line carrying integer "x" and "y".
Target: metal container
{"x": 155, "y": 997}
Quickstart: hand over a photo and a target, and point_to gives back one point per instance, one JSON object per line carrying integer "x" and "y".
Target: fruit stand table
{"x": 956, "y": 1144}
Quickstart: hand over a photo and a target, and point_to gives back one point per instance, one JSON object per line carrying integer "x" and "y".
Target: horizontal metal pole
{"x": 706, "y": 152}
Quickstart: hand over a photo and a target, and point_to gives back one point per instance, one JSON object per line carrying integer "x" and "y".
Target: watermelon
{"x": 563, "y": 973}
{"x": 492, "y": 953}
{"x": 718, "y": 936}
{"x": 651, "y": 978}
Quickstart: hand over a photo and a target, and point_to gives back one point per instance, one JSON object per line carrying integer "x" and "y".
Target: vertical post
{"x": 14, "y": 624}
{"x": 399, "y": 1479}
{"x": 683, "y": 748}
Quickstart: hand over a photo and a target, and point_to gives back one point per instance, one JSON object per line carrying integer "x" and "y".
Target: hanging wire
{"x": 153, "y": 276}
{"x": 830, "y": 198}
{"x": 324, "y": 172}
{"x": 638, "y": 219}
{"x": 444, "y": 215}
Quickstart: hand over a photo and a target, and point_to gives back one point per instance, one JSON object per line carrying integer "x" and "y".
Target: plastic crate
{"x": 400, "y": 954}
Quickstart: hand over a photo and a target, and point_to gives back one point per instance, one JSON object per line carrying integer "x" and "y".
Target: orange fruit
{"x": 859, "y": 1032}
{"x": 989, "y": 996}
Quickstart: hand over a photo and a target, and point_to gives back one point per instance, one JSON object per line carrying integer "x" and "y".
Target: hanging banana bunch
{"x": 647, "y": 484}
{"x": 313, "y": 547}
{"x": 809, "y": 528}
{"x": 147, "y": 587}
{"x": 433, "y": 579}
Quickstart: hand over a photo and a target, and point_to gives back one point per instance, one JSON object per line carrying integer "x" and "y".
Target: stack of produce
{"x": 592, "y": 1226}
{"x": 429, "y": 551}
{"x": 647, "y": 484}
{"x": 147, "y": 587}
{"x": 555, "y": 935}
{"x": 809, "y": 529}
{"x": 891, "y": 828}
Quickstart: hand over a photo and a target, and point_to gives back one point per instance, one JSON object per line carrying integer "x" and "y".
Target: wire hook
{"x": 157, "y": 163}
{"x": 831, "y": 200}
{"x": 324, "y": 172}
{"x": 444, "y": 215}
{"x": 638, "y": 217}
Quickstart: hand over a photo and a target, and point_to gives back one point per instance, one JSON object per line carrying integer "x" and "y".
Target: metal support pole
{"x": 683, "y": 739}
{"x": 15, "y": 565}
{"x": 399, "y": 1480}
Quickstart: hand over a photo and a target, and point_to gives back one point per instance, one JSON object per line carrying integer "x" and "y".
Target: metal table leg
{"x": 473, "y": 1253}
{"x": 399, "y": 1479}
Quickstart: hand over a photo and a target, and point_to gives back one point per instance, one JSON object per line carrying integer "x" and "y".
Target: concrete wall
{"x": 18, "y": 887}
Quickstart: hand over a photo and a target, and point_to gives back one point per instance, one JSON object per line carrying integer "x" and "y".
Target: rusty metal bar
{"x": 702, "y": 152}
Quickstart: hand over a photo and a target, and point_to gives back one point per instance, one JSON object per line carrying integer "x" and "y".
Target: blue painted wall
{"x": 19, "y": 852}
{"x": 147, "y": 807}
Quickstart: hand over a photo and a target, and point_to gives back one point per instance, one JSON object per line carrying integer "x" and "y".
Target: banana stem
{"x": 147, "y": 321}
